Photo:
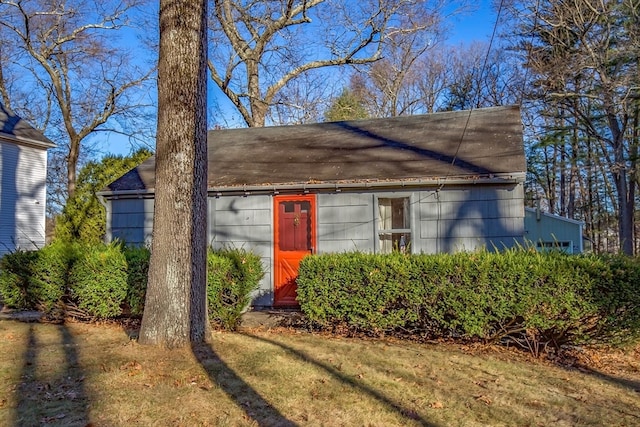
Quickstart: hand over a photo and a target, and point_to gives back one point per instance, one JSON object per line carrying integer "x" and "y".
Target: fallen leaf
{"x": 436, "y": 405}
{"x": 484, "y": 399}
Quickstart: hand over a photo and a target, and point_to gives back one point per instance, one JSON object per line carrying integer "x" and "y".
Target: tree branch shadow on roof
{"x": 455, "y": 161}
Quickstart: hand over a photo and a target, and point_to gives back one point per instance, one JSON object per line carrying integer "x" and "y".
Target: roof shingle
{"x": 462, "y": 144}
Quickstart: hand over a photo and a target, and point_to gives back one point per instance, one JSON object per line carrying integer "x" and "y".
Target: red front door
{"x": 295, "y": 237}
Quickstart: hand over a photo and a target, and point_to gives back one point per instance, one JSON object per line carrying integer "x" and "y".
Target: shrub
{"x": 232, "y": 275}
{"x": 137, "y": 274}
{"x": 521, "y": 296}
{"x": 16, "y": 287}
{"x": 50, "y": 274}
{"x": 98, "y": 280}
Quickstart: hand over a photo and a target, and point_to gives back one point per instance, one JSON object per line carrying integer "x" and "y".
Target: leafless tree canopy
{"x": 259, "y": 48}
{"x": 583, "y": 59}
{"x": 63, "y": 70}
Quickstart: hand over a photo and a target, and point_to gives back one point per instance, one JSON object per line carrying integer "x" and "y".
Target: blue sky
{"x": 475, "y": 25}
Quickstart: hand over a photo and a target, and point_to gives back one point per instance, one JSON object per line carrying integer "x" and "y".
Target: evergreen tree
{"x": 83, "y": 217}
{"x": 347, "y": 106}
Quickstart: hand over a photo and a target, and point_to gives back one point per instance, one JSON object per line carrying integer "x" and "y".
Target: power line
{"x": 477, "y": 102}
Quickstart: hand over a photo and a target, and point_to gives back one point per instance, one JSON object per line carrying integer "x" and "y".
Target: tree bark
{"x": 175, "y": 311}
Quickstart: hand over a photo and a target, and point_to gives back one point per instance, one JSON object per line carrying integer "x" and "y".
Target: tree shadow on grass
{"x": 56, "y": 399}
{"x": 348, "y": 380}
{"x": 633, "y": 385}
{"x": 249, "y": 400}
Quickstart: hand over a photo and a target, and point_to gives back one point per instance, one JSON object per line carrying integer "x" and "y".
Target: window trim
{"x": 377, "y": 220}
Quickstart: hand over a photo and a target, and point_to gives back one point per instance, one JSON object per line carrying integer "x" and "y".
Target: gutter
{"x": 19, "y": 140}
{"x": 331, "y": 187}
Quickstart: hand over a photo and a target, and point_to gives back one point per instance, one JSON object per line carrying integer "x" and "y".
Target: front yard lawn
{"x": 80, "y": 374}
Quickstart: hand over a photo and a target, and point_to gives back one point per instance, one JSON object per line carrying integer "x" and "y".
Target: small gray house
{"x": 441, "y": 182}
{"x": 23, "y": 173}
{"x": 545, "y": 231}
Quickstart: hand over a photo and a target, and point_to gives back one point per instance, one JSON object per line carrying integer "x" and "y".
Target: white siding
{"x": 22, "y": 197}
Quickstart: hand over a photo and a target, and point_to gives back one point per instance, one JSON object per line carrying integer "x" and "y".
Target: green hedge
{"x": 36, "y": 280}
{"x": 522, "y": 296}
{"x": 99, "y": 281}
{"x": 50, "y": 274}
{"x": 232, "y": 276}
{"x": 137, "y": 274}
{"x": 16, "y": 286}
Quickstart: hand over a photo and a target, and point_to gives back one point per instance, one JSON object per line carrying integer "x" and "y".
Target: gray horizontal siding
{"x": 245, "y": 222}
{"x": 346, "y": 222}
{"x": 455, "y": 219}
{"x": 449, "y": 220}
{"x": 130, "y": 220}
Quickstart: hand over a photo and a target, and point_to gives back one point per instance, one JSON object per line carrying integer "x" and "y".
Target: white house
{"x": 23, "y": 171}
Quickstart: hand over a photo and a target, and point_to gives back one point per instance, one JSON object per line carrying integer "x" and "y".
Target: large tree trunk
{"x": 175, "y": 311}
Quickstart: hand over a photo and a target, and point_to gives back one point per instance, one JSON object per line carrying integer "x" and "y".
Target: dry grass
{"x": 78, "y": 374}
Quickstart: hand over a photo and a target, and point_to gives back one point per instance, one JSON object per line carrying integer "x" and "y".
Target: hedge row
{"x": 105, "y": 281}
{"x": 523, "y": 296}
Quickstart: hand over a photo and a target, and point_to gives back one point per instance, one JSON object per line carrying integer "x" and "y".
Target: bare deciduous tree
{"x": 66, "y": 62}
{"x": 583, "y": 56}
{"x": 260, "y": 47}
{"x": 175, "y": 311}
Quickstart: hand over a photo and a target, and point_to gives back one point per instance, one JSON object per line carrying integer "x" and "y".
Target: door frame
{"x": 311, "y": 198}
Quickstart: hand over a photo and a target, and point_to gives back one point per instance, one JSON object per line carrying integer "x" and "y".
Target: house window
{"x": 394, "y": 230}
{"x": 555, "y": 245}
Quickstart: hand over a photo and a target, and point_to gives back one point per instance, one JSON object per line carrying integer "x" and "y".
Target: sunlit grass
{"x": 76, "y": 374}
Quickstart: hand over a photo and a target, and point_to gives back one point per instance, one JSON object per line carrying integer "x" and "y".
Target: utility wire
{"x": 477, "y": 102}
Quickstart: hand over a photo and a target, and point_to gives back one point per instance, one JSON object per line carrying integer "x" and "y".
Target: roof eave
{"x": 336, "y": 187}
{"x": 44, "y": 144}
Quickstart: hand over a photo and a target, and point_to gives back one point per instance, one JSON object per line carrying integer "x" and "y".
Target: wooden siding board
{"x": 242, "y": 218}
{"x": 469, "y": 218}
{"x": 431, "y": 246}
{"x": 473, "y": 227}
{"x": 126, "y": 206}
{"x": 485, "y": 209}
{"x": 131, "y": 220}
{"x": 246, "y": 222}
{"x": 346, "y": 222}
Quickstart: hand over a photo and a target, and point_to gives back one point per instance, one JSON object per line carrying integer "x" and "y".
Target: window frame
{"x": 377, "y": 223}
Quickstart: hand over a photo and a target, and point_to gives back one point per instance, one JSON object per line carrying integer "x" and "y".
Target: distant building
{"x": 23, "y": 172}
{"x": 546, "y": 231}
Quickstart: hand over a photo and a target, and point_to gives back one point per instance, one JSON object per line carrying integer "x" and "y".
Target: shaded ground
{"x": 268, "y": 319}
{"x": 269, "y": 375}
{"x": 25, "y": 316}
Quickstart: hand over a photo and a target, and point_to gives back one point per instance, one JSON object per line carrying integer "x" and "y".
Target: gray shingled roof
{"x": 15, "y": 129}
{"x": 460, "y": 144}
